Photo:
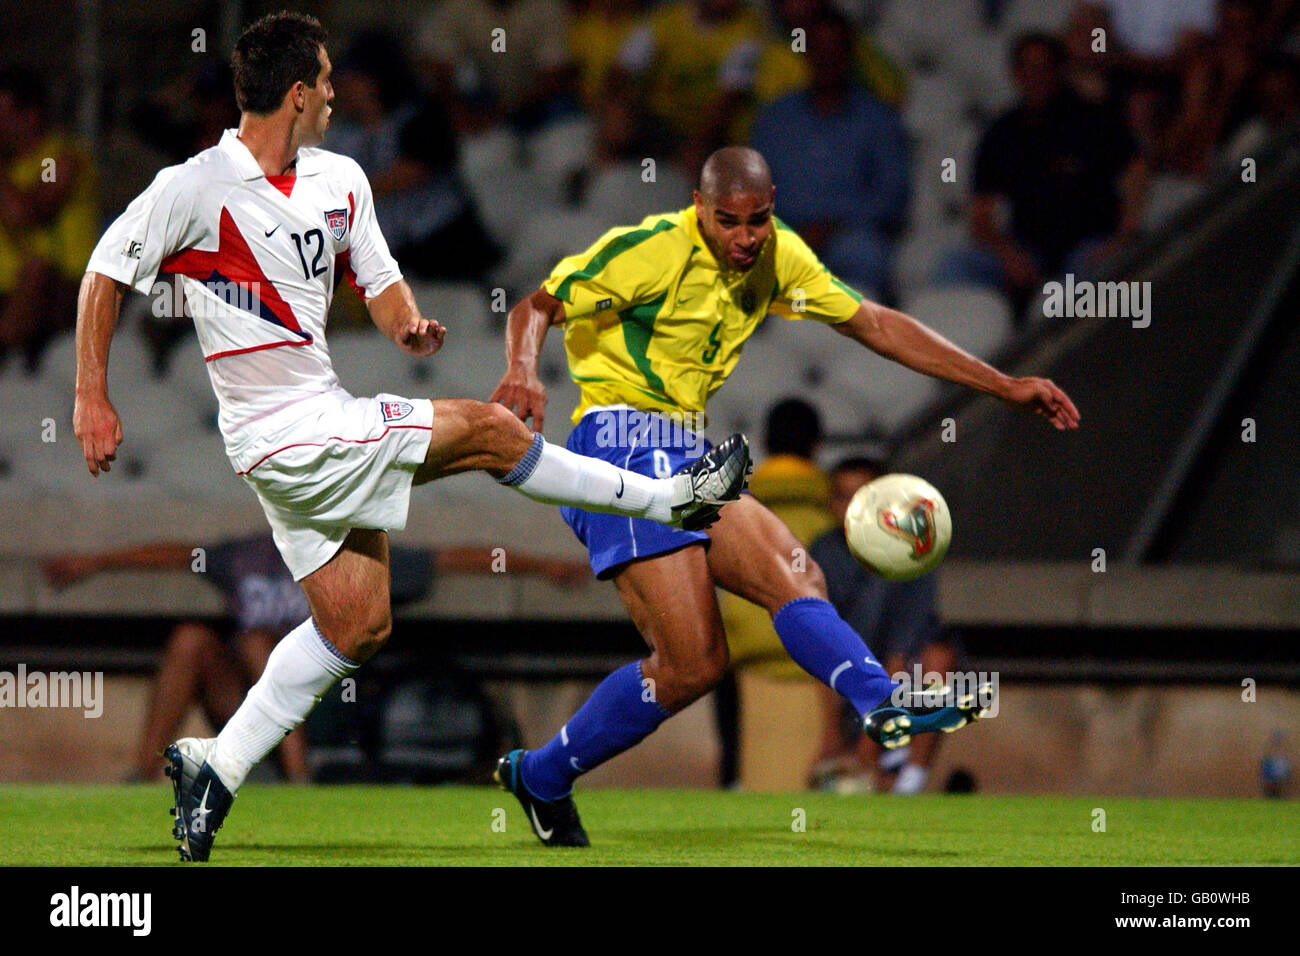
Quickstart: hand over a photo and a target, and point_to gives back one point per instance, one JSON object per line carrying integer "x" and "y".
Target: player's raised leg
{"x": 753, "y": 555}
{"x": 351, "y": 619}
{"x": 473, "y": 436}
{"x": 672, "y": 602}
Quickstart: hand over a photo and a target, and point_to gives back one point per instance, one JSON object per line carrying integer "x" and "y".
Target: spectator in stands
{"x": 782, "y": 70}
{"x": 598, "y": 31}
{"x": 264, "y": 602}
{"x": 789, "y": 482}
{"x": 1067, "y": 170}
{"x": 494, "y": 61}
{"x": 693, "y": 61}
{"x": 407, "y": 147}
{"x": 898, "y": 621}
{"x": 1219, "y": 81}
{"x": 49, "y": 219}
{"x": 840, "y": 156}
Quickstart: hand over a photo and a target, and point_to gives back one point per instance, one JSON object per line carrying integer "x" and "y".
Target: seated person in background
{"x": 49, "y": 220}
{"x": 781, "y": 70}
{"x": 521, "y": 76}
{"x": 1066, "y": 170}
{"x": 596, "y": 35}
{"x": 263, "y": 599}
{"x": 408, "y": 149}
{"x": 693, "y": 62}
{"x": 897, "y": 620}
{"x": 757, "y": 704}
{"x": 840, "y": 156}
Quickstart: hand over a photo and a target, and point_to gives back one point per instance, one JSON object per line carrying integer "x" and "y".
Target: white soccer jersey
{"x": 258, "y": 258}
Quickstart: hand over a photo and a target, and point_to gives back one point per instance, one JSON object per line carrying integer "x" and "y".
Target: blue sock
{"x": 825, "y": 646}
{"x": 615, "y": 716}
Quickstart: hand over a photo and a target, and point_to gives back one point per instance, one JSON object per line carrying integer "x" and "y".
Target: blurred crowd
{"x": 1127, "y": 94}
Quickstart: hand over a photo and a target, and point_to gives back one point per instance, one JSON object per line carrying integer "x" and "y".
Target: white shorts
{"x": 332, "y": 463}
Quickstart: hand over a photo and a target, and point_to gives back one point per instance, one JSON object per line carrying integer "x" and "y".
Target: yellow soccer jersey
{"x": 652, "y": 322}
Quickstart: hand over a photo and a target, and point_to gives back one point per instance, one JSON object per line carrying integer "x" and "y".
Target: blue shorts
{"x": 649, "y": 444}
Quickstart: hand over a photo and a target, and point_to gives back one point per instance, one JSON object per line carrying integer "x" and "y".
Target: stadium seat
{"x": 975, "y": 318}
{"x": 561, "y": 148}
{"x": 456, "y": 305}
{"x": 542, "y": 240}
{"x": 920, "y": 250}
{"x": 935, "y": 102}
{"x": 195, "y": 466}
{"x": 618, "y": 195}
{"x": 1024, "y": 16}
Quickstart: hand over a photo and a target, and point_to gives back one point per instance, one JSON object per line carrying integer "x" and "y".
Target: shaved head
{"x": 734, "y": 206}
{"x": 733, "y": 170}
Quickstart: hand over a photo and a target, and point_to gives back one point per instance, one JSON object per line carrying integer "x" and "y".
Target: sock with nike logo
{"x": 557, "y": 476}
{"x": 823, "y": 644}
{"x": 301, "y": 668}
{"x": 620, "y": 712}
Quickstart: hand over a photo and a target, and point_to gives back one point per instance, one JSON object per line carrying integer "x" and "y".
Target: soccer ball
{"x": 898, "y": 526}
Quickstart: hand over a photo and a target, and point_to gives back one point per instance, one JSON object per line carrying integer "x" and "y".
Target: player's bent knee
{"x": 191, "y": 640}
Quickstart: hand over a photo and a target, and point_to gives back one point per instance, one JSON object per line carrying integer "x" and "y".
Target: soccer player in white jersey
{"x": 259, "y": 228}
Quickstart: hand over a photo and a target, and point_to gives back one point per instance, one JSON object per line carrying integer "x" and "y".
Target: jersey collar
{"x": 246, "y": 165}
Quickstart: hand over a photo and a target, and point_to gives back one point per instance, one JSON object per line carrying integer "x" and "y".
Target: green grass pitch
{"x": 453, "y": 826}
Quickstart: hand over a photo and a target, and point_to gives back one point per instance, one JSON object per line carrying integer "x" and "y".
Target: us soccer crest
{"x": 914, "y": 526}
{"x": 337, "y": 221}
{"x": 394, "y": 411}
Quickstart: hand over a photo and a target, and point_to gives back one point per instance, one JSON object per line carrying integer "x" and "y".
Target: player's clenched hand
{"x": 422, "y": 336}
{"x": 1043, "y": 397}
{"x": 97, "y": 427}
{"x": 521, "y": 391}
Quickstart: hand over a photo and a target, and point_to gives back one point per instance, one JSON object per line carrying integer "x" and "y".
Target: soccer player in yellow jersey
{"x": 654, "y": 320}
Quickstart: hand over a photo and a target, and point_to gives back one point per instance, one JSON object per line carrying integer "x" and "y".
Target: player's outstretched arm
{"x": 520, "y": 389}
{"x": 395, "y": 313}
{"x": 94, "y": 419}
{"x": 900, "y": 337}
{"x": 65, "y": 569}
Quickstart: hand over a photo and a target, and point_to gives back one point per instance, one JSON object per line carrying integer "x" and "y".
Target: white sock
{"x": 557, "y": 476}
{"x": 301, "y": 668}
{"x": 911, "y": 779}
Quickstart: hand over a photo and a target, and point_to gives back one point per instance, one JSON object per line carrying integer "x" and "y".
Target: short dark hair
{"x": 877, "y": 466}
{"x": 793, "y": 428}
{"x": 272, "y": 55}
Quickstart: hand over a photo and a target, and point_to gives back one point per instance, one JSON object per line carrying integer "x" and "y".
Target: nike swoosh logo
{"x": 573, "y": 762}
{"x": 619, "y": 494}
{"x": 272, "y": 232}
{"x": 682, "y": 301}
{"x": 537, "y": 825}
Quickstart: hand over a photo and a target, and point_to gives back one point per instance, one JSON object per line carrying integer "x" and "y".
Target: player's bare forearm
{"x": 520, "y": 390}
{"x": 900, "y": 337}
{"x": 396, "y": 315}
{"x": 163, "y": 555}
{"x": 94, "y": 420}
{"x": 903, "y": 339}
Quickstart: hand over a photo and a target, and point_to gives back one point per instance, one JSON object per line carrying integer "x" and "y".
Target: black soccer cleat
{"x": 934, "y": 709}
{"x": 709, "y": 482}
{"x": 201, "y": 799}
{"x": 555, "y": 822}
